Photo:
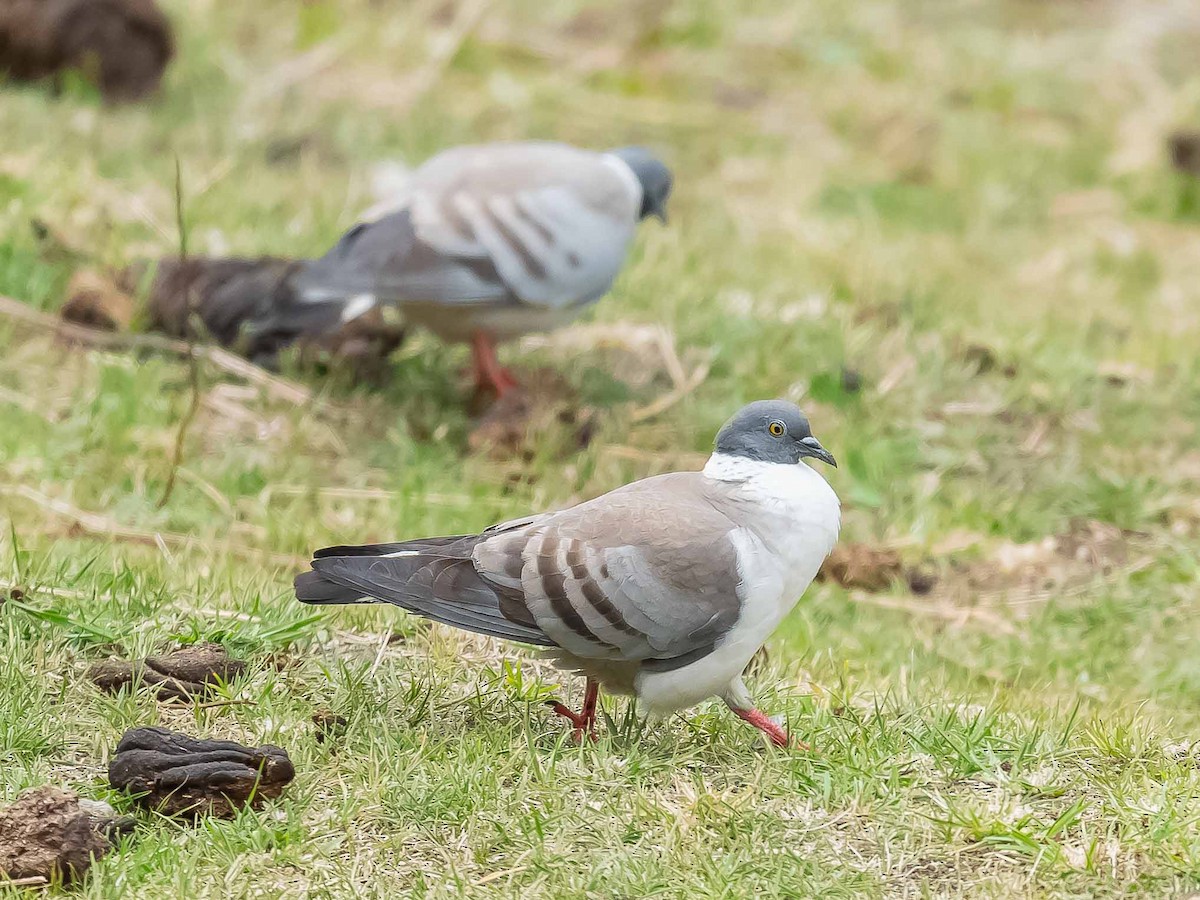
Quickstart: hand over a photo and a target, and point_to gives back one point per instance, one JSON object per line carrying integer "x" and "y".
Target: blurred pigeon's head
{"x": 654, "y": 177}
{"x": 773, "y": 431}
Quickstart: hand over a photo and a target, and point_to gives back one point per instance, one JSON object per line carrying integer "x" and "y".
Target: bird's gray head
{"x": 654, "y": 177}
{"x": 773, "y": 431}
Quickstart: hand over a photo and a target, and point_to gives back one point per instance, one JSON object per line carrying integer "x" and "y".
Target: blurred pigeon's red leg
{"x": 767, "y": 726}
{"x": 583, "y": 722}
{"x": 488, "y": 371}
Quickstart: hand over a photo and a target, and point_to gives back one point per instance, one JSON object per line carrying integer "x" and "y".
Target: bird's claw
{"x": 581, "y": 723}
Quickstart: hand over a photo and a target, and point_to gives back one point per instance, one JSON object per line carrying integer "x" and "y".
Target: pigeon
{"x": 662, "y": 589}
{"x": 493, "y": 241}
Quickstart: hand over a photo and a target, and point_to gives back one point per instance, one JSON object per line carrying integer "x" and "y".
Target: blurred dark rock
{"x": 123, "y": 46}
{"x": 852, "y": 380}
{"x": 921, "y": 581}
{"x": 1184, "y": 147}
{"x": 983, "y": 359}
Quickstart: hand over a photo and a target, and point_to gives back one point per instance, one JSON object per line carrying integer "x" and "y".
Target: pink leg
{"x": 583, "y": 722}
{"x": 488, "y": 371}
{"x": 763, "y": 723}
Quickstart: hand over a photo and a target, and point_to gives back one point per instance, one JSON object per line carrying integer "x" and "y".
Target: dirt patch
{"x": 123, "y": 46}
{"x": 54, "y": 835}
{"x": 1004, "y": 583}
{"x": 982, "y": 359}
{"x": 867, "y": 568}
{"x": 178, "y": 775}
{"x": 1017, "y": 573}
{"x": 1184, "y": 148}
{"x": 329, "y": 726}
{"x": 542, "y": 415}
{"x": 97, "y": 302}
{"x": 184, "y": 674}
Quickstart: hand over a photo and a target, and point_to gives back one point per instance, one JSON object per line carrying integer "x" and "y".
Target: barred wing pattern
{"x": 610, "y": 579}
{"x": 554, "y": 221}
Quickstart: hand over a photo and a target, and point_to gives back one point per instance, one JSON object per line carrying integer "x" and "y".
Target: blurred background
{"x": 964, "y": 236}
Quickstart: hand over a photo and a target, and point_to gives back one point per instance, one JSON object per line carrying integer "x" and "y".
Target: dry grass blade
{"x": 274, "y": 386}
{"x": 347, "y": 493}
{"x": 958, "y": 615}
{"x": 28, "y": 404}
{"x": 195, "y": 389}
{"x": 446, "y": 46}
{"x": 209, "y": 490}
{"x": 666, "y": 401}
{"x": 671, "y": 361}
{"x": 296, "y": 70}
{"x": 32, "y": 881}
{"x": 503, "y": 873}
{"x": 98, "y": 525}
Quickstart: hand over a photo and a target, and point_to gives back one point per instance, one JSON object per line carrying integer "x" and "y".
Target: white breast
{"x": 790, "y": 509}
{"x": 789, "y": 518}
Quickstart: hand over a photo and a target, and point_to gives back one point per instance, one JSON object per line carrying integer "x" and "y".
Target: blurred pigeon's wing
{"x": 384, "y": 258}
{"x": 607, "y": 580}
{"x": 553, "y": 221}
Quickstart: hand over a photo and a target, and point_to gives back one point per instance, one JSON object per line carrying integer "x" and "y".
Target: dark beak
{"x": 810, "y": 446}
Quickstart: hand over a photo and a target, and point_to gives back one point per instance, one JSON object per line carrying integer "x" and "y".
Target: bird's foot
{"x": 490, "y": 376}
{"x": 582, "y": 724}
{"x": 500, "y": 382}
{"x": 770, "y": 728}
{"x": 584, "y": 721}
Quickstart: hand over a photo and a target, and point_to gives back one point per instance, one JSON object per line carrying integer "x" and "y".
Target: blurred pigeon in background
{"x": 492, "y": 242}
{"x": 663, "y": 589}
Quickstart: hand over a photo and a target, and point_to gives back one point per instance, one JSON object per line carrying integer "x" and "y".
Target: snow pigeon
{"x": 662, "y": 589}
{"x": 493, "y": 241}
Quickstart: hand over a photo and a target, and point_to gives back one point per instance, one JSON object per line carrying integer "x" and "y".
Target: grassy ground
{"x": 967, "y": 204}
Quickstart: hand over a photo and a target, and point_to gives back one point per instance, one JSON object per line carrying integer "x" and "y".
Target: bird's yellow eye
{"x": 776, "y": 429}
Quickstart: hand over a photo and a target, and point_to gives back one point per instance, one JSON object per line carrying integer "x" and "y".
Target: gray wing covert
{"x": 385, "y": 258}
{"x": 554, "y": 221}
{"x": 648, "y": 572}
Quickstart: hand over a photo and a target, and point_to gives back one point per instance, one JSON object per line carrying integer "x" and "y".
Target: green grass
{"x": 901, "y": 189}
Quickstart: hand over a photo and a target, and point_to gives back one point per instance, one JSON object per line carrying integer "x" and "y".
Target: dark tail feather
{"x": 289, "y": 322}
{"x": 433, "y": 577}
{"x": 354, "y": 264}
{"x": 313, "y": 587}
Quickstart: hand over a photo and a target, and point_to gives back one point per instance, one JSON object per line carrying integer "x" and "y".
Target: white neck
{"x": 725, "y": 467}
{"x": 776, "y": 483}
{"x": 626, "y": 174}
{"x": 795, "y": 511}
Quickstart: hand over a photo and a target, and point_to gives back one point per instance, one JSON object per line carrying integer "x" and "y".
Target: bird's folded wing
{"x": 647, "y": 572}
{"x": 555, "y": 222}
{"x": 384, "y": 258}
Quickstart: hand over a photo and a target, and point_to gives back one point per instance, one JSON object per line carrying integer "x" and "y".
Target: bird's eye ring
{"x": 776, "y": 428}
